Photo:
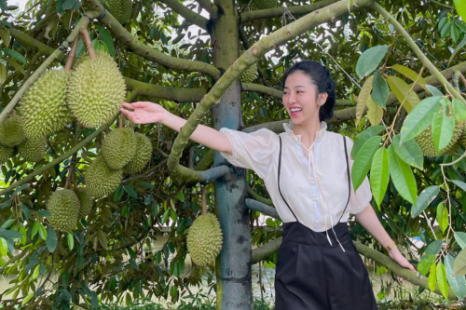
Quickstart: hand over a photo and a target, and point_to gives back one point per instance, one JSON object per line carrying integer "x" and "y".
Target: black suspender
{"x": 347, "y": 173}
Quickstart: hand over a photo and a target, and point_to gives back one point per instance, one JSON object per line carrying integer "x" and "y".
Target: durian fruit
{"x": 119, "y": 148}
{"x": 11, "y": 131}
{"x": 43, "y": 107}
{"x": 142, "y": 156}
{"x": 64, "y": 206}
{"x": 33, "y": 149}
{"x": 95, "y": 92}
{"x": 205, "y": 239}
{"x": 5, "y": 153}
{"x": 85, "y": 56}
{"x": 263, "y": 4}
{"x": 100, "y": 179}
{"x": 120, "y": 9}
{"x": 249, "y": 75}
{"x": 426, "y": 143}
{"x": 86, "y": 201}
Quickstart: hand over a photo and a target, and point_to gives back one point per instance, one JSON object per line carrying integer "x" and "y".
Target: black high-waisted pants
{"x": 311, "y": 274}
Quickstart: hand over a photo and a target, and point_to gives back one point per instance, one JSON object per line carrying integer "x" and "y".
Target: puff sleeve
{"x": 253, "y": 150}
{"x": 360, "y": 199}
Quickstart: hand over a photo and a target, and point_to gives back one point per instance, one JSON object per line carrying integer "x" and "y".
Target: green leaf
{"x": 15, "y": 55}
{"x": 379, "y": 89}
{"x": 51, "y": 241}
{"x": 363, "y": 161}
{"x": 434, "y": 91}
{"x": 364, "y": 95}
{"x": 374, "y": 112}
{"x": 3, "y": 246}
{"x": 442, "y": 216}
{"x": 27, "y": 298}
{"x": 2, "y": 74}
{"x": 457, "y": 49}
{"x": 42, "y": 232}
{"x": 432, "y": 277}
{"x": 460, "y": 184}
{"x": 420, "y": 118}
{"x": 460, "y": 238}
{"x": 102, "y": 239}
{"x": 165, "y": 216}
{"x": 70, "y": 239}
{"x": 461, "y": 8}
{"x": 443, "y": 127}
{"x": 402, "y": 91}
{"x": 458, "y": 283}
{"x": 455, "y": 33}
{"x": 424, "y": 199}
{"x": 442, "y": 280}
{"x": 425, "y": 263}
{"x": 459, "y": 110}
{"x": 402, "y": 177}
{"x": 380, "y": 174}
{"x": 130, "y": 190}
{"x": 410, "y": 74}
{"x": 118, "y": 193}
{"x": 370, "y": 59}
{"x": 363, "y": 136}
{"x": 409, "y": 152}
{"x": 445, "y": 30}
{"x": 35, "y": 274}
{"x": 434, "y": 247}
{"x": 133, "y": 264}
{"x": 107, "y": 39}
{"x": 35, "y": 229}
{"x": 443, "y": 21}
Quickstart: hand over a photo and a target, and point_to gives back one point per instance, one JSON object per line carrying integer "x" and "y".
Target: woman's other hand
{"x": 396, "y": 255}
{"x": 143, "y": 112}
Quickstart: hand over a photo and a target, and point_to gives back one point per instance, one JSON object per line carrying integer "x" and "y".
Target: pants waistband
{"x": 298, "y": 233}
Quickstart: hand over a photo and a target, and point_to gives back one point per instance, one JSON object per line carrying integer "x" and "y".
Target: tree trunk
{"x": 233, "y": 266}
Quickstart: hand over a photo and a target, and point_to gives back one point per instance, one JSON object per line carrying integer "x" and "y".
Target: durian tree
{"x": 84, "y": 193}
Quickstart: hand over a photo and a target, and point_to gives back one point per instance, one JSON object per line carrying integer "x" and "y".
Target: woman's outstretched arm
{"x": 144, "y": 112}
{"x": 371, "y": 223}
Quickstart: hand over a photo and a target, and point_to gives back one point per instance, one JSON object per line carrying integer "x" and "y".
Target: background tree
{"x": 189, "y": 56}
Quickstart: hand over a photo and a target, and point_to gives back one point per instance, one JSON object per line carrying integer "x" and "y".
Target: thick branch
{"x": 55, "y": 55}
{"x": 165, "y": 92}
{"x": 265, "y": 251}
{"x": 209, "y": 7}
{"x": 262, "y": 208}
{"x": 278, "y": 12}
{"x": 262, "y": 89}
{"x": 137, "y": 47}
{"x": 425, "y": 61}
{"x": 247, "y": 59}
{"x": 26, "y": 40}
{"x": 258, "y": 197}
{"x": 56, "y": 161}
{"x": 186, "y": 13}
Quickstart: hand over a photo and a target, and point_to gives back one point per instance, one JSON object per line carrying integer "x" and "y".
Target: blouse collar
{"x": 319, "y": 134}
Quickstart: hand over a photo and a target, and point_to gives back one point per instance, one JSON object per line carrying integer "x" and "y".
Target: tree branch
{"x": 258, "y": 197}
{"x": 165, "y": 92}
{"x": 55, "y": 55}
{"x": 278, "y": 12}
{"x": 209, "y": 7}
{"x": 251, "y": 56}
{"x": 137, "y": 47}
{"x": 262, "y": 208}
{"x": 24, "y": 39}
{"x": 429, "y": 65}
{"x": 186, "y": 13}
{"x": 263, "y": 252}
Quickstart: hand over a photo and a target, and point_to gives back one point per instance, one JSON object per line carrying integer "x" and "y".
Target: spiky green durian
{"x": 205, "y": 239}
{"x": 33, "y": 149}
{"x": 119, "y": 148}
{"x": 64, "y": 207}
{"x": 85, "y": 56}
{"x": 263, "y": 4}
{"x": 5, "y": 153}
{"x": 426, "y": 143}
{"x": 120, "y": 9}
{"x": 100, "y": 179}
{"x": 96, "y": 91}
{"x": 142, "y": 156}
{"x": 249, "y": 75}
{"x": 11, "y": 131}
{"x": 43, "y": 107}
{"x": 86, "y": 201}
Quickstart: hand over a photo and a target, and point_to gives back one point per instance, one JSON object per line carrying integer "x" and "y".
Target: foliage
{"x": 103, "y": 259}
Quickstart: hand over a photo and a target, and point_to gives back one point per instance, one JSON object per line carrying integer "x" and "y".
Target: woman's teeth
{"x": 295, "y": 110}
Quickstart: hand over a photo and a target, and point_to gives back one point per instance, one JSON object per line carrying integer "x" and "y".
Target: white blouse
{"x": 315, "y": 189}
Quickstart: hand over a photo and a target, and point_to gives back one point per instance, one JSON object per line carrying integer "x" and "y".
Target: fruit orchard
{"x": 84, "y": 193}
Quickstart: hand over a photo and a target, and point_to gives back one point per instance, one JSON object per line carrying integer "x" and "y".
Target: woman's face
{"x": 300, "y": 98}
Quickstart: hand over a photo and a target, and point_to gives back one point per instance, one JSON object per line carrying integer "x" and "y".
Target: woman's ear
{"x": 322, "y": 98}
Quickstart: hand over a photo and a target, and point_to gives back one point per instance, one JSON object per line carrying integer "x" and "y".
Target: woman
{"x": 306, "y": 171}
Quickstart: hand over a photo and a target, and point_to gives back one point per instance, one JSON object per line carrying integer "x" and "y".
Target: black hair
{"x": 320, "y": 76}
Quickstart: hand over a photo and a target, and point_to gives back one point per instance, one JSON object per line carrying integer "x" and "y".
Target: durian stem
{"x": 120, "y": 124}
{"x": 87, "y": 42}
{"x": 204, "y": 203}
{"x": 69, "y": 61}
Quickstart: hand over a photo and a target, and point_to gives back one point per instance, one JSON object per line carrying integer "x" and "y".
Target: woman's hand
{"x": 396, "y": 255}
{"x": 143, "y": 112}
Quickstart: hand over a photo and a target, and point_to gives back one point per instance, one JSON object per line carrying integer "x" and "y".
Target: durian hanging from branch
{"x": 96, "y": 89}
